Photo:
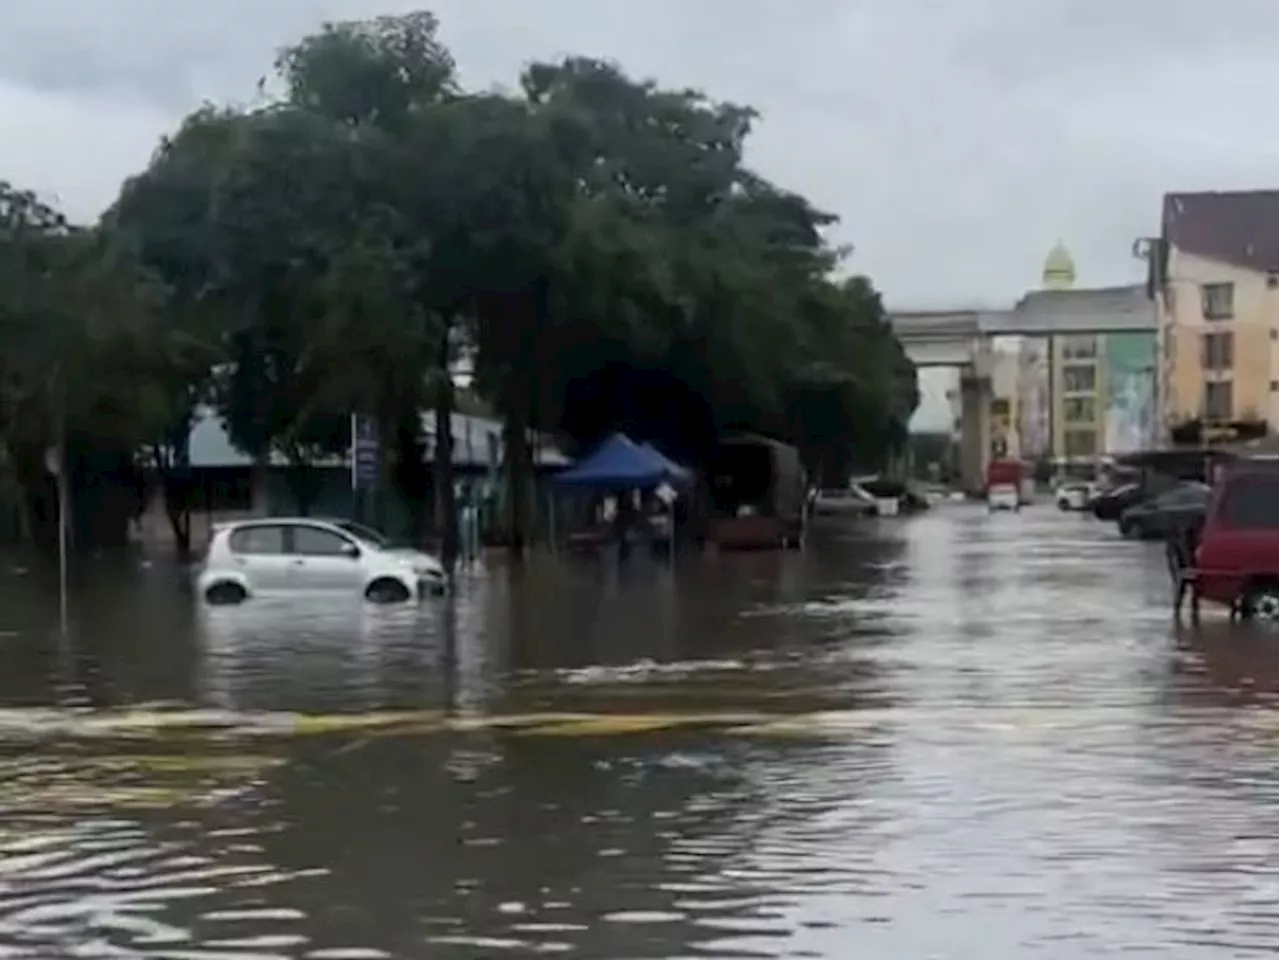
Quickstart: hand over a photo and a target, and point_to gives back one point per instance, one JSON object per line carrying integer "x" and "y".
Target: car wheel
{"x": 1261, "y": 605}
{"x": 387, "y": 591}
{"x": 1128, "y": 529}
{"x": 1062, "y": 505}
{"x": 226, "y": 594}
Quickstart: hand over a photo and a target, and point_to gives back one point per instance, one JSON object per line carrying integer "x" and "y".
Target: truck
{"x": 759, "y": 494}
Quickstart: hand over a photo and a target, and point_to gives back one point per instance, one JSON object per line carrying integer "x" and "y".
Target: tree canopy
{"x": 597, "y": 243}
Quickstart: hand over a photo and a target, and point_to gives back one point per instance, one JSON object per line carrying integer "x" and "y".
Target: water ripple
{"x": 952, "y": 736}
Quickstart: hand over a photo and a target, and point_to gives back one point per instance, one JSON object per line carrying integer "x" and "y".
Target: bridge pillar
{"x": 975, "y": 440}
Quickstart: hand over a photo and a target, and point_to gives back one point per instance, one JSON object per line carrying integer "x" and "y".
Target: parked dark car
{"x": 1109, "y": 505}
{"x": 1174, "y": 510}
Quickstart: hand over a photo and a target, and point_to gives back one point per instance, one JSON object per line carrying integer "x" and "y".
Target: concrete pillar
{"x": 975, "y": 440}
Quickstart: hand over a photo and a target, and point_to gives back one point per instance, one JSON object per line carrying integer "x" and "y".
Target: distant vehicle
{"x": 852, "y": 501}
{"x": 1236, "y": 559}
{"x": 892, "y": 497}
{"x": 1112, "y": 503}
{"x": 1004, "y": 485}
{"x": 759, "y": 494}
{"x": 1159, "y": 517}
{"x": 1076, "y": 495}
{"x": 248, "y": 558}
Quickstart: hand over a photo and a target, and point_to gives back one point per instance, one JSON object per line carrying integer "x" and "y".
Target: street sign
{"x": 364, "y": 452}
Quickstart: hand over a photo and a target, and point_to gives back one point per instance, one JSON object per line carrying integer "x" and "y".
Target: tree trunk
{"x": 516, "y": 444}
{"x": 410, "y": 473}
{"x": 302, "y": 480}
{"x": 302, "y": 476}
{"x": 446, "y": 502}
{"x": 258, "y": 492}
{"x": 12, "y": 495}
{"x": 530, "y": 316}
{"x": 176, "y": 493}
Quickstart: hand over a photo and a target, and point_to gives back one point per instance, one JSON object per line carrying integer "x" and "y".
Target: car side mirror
{"x": 351, "y": 551}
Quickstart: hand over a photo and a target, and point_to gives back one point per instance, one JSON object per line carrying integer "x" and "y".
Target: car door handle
{"x": 298, "y": 563}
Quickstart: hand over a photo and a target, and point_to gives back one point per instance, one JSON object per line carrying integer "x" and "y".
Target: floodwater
{"x": 951, "y": 736}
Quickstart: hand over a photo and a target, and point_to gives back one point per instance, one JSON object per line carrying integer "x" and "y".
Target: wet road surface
{"x": 953, "y": 736}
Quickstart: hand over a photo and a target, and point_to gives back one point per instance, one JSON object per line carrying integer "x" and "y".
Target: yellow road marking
{"x": 152, "y": 725}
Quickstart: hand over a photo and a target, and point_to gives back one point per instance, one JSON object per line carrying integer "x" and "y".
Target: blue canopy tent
{"x": 680, "y": 475}
{"x": 619, "y": 463}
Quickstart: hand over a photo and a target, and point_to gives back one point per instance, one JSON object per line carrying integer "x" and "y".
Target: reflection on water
{"x": 957, "y": 735}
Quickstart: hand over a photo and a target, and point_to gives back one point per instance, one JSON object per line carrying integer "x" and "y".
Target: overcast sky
{"x": 956, "y": 140}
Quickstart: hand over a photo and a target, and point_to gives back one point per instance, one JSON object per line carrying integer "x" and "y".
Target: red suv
{"x": 1236, "y": 559}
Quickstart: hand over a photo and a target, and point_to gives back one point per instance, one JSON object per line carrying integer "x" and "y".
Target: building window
{"x": 1078, "y": 410}
{"x": 1000, "y": 407}
{"x": 1079, "y": 348}
{"x": 1079, "y": 378}
{"x": 1275, "y": 386}
{"x": 1217, "y": 351}
{"x": 1217, "y": 301}
{"x": 1079, "y": 443}
{"x": 1218, "y": 401}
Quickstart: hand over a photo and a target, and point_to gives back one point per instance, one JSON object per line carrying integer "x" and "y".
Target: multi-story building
{"x": 1085, "y": 383}
{"x": 1213, "y": 279}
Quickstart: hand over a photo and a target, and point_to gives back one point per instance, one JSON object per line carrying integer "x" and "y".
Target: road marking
{"x": 24, "y": 726}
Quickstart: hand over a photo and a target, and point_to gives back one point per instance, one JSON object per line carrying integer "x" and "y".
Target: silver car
{"x": 247, "y": 558}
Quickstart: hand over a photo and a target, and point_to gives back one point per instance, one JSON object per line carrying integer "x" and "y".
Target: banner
{"x": 1130, "y": 413}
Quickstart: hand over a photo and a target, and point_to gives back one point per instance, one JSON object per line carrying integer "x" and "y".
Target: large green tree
{"x": 597, "y": 242}
{"x": 78, "y": 347}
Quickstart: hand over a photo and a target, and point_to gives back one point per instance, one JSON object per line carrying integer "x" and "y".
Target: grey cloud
{"x": 957, "y": 141}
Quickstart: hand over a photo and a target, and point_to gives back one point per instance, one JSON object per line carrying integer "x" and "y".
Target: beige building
{"x": 1086, "y": 374}
{"x": 1213, "y": 279}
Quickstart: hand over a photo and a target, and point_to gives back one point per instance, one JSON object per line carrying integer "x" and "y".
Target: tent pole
{"x": 671, "y": 545}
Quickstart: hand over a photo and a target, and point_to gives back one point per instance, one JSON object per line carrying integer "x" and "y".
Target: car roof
{"x": 1176, "y": 492}
{"x": 244, "y": 522}
{"x": 1252, "y": 466}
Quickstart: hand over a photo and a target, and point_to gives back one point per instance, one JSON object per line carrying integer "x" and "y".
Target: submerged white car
{"x": 248, "y": 558}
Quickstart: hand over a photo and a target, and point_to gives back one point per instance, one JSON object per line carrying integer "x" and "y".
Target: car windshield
{"x": 365, "y": 535}
{"x": 1250, "y": 503}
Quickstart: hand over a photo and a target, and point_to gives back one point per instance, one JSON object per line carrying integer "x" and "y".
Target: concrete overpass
{"x": 954, "y": 338}
{"x": 962, "y": 338}
{"x": 942, "y": 338}
{"x": 939, "y": 338}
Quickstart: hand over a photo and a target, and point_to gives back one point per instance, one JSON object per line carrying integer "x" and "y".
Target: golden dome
{"x": 1059, "y": 269}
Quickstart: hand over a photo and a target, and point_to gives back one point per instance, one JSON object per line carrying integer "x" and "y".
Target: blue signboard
{"x": 364, "y": 452}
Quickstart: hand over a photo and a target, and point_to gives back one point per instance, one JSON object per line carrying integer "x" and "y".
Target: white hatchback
{"x": 248, "y": 558}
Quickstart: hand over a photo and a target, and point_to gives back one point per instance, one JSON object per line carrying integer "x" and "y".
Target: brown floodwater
{"x": 952, "y": 736}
